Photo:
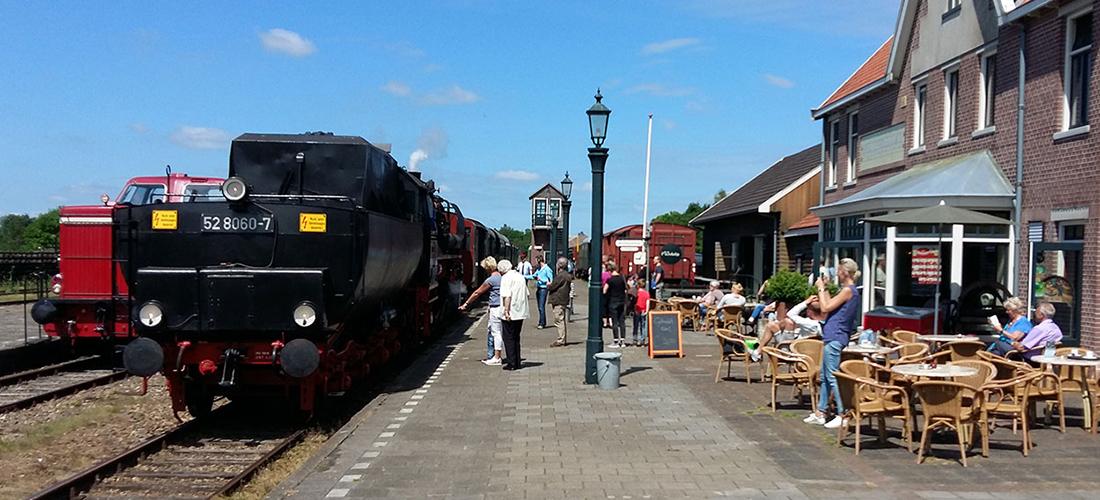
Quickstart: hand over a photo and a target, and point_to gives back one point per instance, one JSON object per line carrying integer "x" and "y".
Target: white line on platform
{"x": 385, "y": 435}
{"x": 400, "y": 419}
{"x": 379, "y": 444}
{"x": 360, "y": 466}
{"x": 421, "y": 391}
{"x": 371, "y": 454}
{"x": 417, "y": 396}
{"x": 704, "y": 355}
{"x": 426, "y": 386}
{"x": 337, "y": 493}
{"x": 350, "y": 478}
{"x": 406, "y": 410}
{"x": 412, "y": 403}
{"x": 393, "y": 426}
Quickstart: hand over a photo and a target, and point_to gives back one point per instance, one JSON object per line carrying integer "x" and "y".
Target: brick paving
{"x": 451, "y": 427}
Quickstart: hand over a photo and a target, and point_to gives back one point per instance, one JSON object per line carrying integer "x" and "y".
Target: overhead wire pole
{"x": 645, "y": 203}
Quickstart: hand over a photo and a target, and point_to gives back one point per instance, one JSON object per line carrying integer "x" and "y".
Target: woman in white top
{"x": 513, "y": 296}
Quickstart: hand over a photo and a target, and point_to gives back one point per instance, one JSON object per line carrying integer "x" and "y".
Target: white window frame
{"x": 953, "y": 4}
{"x": 987, "y": 93}
{"x": 950, "y": 104}
{"x": 919, "y": 112}
{"x": 853, "y": 138}
{"x": 834, "y": 155}
{"x": 1075, "y": 222}
{"x": 1066, "y": 69}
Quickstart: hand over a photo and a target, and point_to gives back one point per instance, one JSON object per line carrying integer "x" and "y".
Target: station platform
{"x": 449, "y": 426}
{"x": 12, "y": 326}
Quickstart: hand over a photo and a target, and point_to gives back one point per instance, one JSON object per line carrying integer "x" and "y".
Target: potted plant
{"x": 787, "y": 288}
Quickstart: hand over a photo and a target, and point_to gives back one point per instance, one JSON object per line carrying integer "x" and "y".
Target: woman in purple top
{"x": 843, "y": 313}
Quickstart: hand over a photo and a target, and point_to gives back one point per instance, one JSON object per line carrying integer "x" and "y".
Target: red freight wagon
{"x": 673, "y": 243}
{"x": 92, "y": 298}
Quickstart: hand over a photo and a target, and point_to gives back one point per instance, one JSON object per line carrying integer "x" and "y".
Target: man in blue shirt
{"x": 543, "y": 276}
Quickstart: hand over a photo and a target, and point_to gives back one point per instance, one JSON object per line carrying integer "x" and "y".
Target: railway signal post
{"x": 598, "y": 115}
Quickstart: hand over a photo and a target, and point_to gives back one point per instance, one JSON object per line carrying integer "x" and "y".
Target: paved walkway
{"x": 452, "y": 427}
{"x": 11, "y": 326}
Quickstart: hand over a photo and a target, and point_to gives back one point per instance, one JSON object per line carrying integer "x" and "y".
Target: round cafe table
{"x": 873, "y": 349}
{"x": 935, "y": 340}
{"x": 1049, "y": 361}
{"x": 942, "y": 371}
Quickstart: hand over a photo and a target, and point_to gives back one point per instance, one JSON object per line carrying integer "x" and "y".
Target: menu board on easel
{"x": 665, "y": 336}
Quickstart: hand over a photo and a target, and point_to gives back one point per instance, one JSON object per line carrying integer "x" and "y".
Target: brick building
{"x": 933, "y": 115}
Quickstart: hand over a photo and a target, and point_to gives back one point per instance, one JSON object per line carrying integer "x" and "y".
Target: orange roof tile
{"x": 810, "y": 220}
{"x": 874, "y": 68}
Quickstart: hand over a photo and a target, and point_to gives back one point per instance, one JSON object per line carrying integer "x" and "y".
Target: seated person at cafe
{"x": 795, "y": 326}
{"x": 711, "y": 299}
{"x": 734, "y": 298}
{"x": 1016, "y": 329}
{"x": 1044, "y": 331}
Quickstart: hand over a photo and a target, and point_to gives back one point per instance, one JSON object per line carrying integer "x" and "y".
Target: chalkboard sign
{"x": 665, "y": 336}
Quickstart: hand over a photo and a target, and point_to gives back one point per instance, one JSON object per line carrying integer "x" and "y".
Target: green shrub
{"x": 788, "y": 287}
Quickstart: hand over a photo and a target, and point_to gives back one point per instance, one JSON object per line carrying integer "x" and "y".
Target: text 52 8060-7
{"x": 234, "y": 224}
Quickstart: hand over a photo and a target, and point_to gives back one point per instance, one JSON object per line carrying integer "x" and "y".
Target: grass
{"x": 42, "y": 434}
{"x": 275, "y": 472}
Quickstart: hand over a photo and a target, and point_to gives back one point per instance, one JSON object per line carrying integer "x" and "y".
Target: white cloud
{"x": 200, "y": 137}
{"x": 669, "y": 124}
{"x": 396, "y": 88}
{"x": 587, "y": 186}
{"x": 287, "y": 42}
{"x": 669, "y": 45}
{"x": 660, "y": 90}
{"x": 442, "y": 187}
{"x": 517, "y": 175}
{"x": 450, "y": 95}
{"x": 139, "y": 128}
{"x": 405, "y": 49}
{"x": 778, "y": 81}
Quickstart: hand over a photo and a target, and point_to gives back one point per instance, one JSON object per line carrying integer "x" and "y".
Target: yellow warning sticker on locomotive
{"x": 312, "y": 223}
{"x": 165, "y": 219}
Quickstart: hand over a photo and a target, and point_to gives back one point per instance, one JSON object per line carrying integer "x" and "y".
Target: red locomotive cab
{"x": 91, "y": 295}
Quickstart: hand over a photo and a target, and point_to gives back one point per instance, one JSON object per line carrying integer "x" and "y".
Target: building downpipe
{"x": 1021, "y": 79}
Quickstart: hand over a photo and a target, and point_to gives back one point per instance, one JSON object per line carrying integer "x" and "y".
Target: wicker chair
{"x": 732, "y": 349}
{"x": 905, "y": 336}
{"x": 732, "y": 316}
{"x": 1094, "y": 391}
{"x": 800, "y": 374}
{"x": 689, "y": 311}
{"x": 986, "y": 372}
{"x": 951, "y": 405}
{"x": 964, "y": 349}
{"x": 863, "y": 368}
{"x": 1069, "y": 376}
{"x": 1009, "y": 398}
{"x": 865, "y": 398}
{"x": 1006, "y": 368}
{"x": 906, "y": 353}
{"x": 659, "y": 305}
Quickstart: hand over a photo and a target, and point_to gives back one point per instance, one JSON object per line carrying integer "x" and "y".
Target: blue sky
{"x": 493, "y": 92}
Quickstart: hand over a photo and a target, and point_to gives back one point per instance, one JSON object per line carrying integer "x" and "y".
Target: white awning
{"x": 971, "y": 181}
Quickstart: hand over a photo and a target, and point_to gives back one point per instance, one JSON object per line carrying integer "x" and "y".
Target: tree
{"x": 42, "y": 232}
{"x": 692, "y": 211}
{"x": 519, "y": 239}
{"x": 12, "y": 227}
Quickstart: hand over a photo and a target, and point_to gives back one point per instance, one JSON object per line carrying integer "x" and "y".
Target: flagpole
{"x": 645, "y": 203}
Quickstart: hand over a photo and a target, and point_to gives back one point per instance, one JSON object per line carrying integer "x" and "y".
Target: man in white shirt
{"x": 795, "y": 326}
{"x": 525, "y": 266}
{"x": 513, "y": 296}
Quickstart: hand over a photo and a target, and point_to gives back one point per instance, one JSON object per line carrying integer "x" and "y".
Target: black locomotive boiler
{"x": 324, "y": 259}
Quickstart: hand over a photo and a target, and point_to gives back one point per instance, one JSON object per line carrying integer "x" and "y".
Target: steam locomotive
{"x": 324, "y": 260}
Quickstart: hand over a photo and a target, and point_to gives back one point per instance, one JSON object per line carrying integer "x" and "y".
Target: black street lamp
{"x": 598, "y": 115}
{"x": 567, "y": 190}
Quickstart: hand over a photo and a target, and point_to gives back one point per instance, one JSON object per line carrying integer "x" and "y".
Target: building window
{"x": 540, "y": 213}
{"x": 1071, "y": 231}
{"x": 853, "y": 140}
{"x": 834, "y": 150}
{"x": 919, "y": 100}
{"x": 953, "y": 4}
{"x": 554, "y": 206}
{"x": 950, "y": 102}
{"x": 850, "y": 228}
{"x": 1078, "y": 66}
{"x": 828, "y": 230}
{"x": 988, "y": 99}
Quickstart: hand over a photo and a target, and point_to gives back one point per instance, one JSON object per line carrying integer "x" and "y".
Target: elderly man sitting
{"x": 1044, "y": 331}
{"x": 795, "y": 326}
{"x": 711, "y": 299}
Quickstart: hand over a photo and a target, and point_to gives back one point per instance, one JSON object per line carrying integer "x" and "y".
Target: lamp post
{"x": 598, "y": 115}
{"x": 567, "y": 190}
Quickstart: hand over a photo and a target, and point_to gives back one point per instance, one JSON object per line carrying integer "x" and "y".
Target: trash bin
{"x": 607, "y": 369}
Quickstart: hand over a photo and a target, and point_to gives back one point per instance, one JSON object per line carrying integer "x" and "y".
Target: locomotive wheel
{"x": 199, "y": 400}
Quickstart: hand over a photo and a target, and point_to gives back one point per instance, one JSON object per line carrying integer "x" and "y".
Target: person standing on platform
{"x": 542, "y": 276}
{"x": 492, "y": 287}
{"x": 842, "y": 312}
{"x": 641, "y": 311}
{"x": 513, "y": 297}
{"x": 658, "y": 278}
{"x": 605, "y": 275}
{"x": 559, "y": 290}
{"x": 524, "y": 266}
{"x": 615, "y": 291}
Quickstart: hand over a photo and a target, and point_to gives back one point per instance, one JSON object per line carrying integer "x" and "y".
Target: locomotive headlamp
{"x": 150, "y": 314}
{"x": 234, "y": 189}
{"x": 305, "y": 315}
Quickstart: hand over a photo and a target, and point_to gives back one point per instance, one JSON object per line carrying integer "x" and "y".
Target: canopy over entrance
{"x": 938, "y": 214}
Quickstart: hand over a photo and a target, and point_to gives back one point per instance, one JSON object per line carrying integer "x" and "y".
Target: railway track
{"x": 201, "y": 458}
{"x": 25, "y": 389}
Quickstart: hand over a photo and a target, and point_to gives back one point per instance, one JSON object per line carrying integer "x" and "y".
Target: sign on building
{"x": 926, "y": 264}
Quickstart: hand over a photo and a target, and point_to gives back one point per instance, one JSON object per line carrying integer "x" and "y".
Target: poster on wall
{"x": 926, "y": 264}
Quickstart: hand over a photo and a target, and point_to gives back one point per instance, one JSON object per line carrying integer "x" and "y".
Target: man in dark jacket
{"x": 559, "y": 298}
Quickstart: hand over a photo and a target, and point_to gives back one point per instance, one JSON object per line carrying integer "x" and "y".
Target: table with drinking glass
{"x": 1048, "y": 361}
{"x": 944, "y": 370}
